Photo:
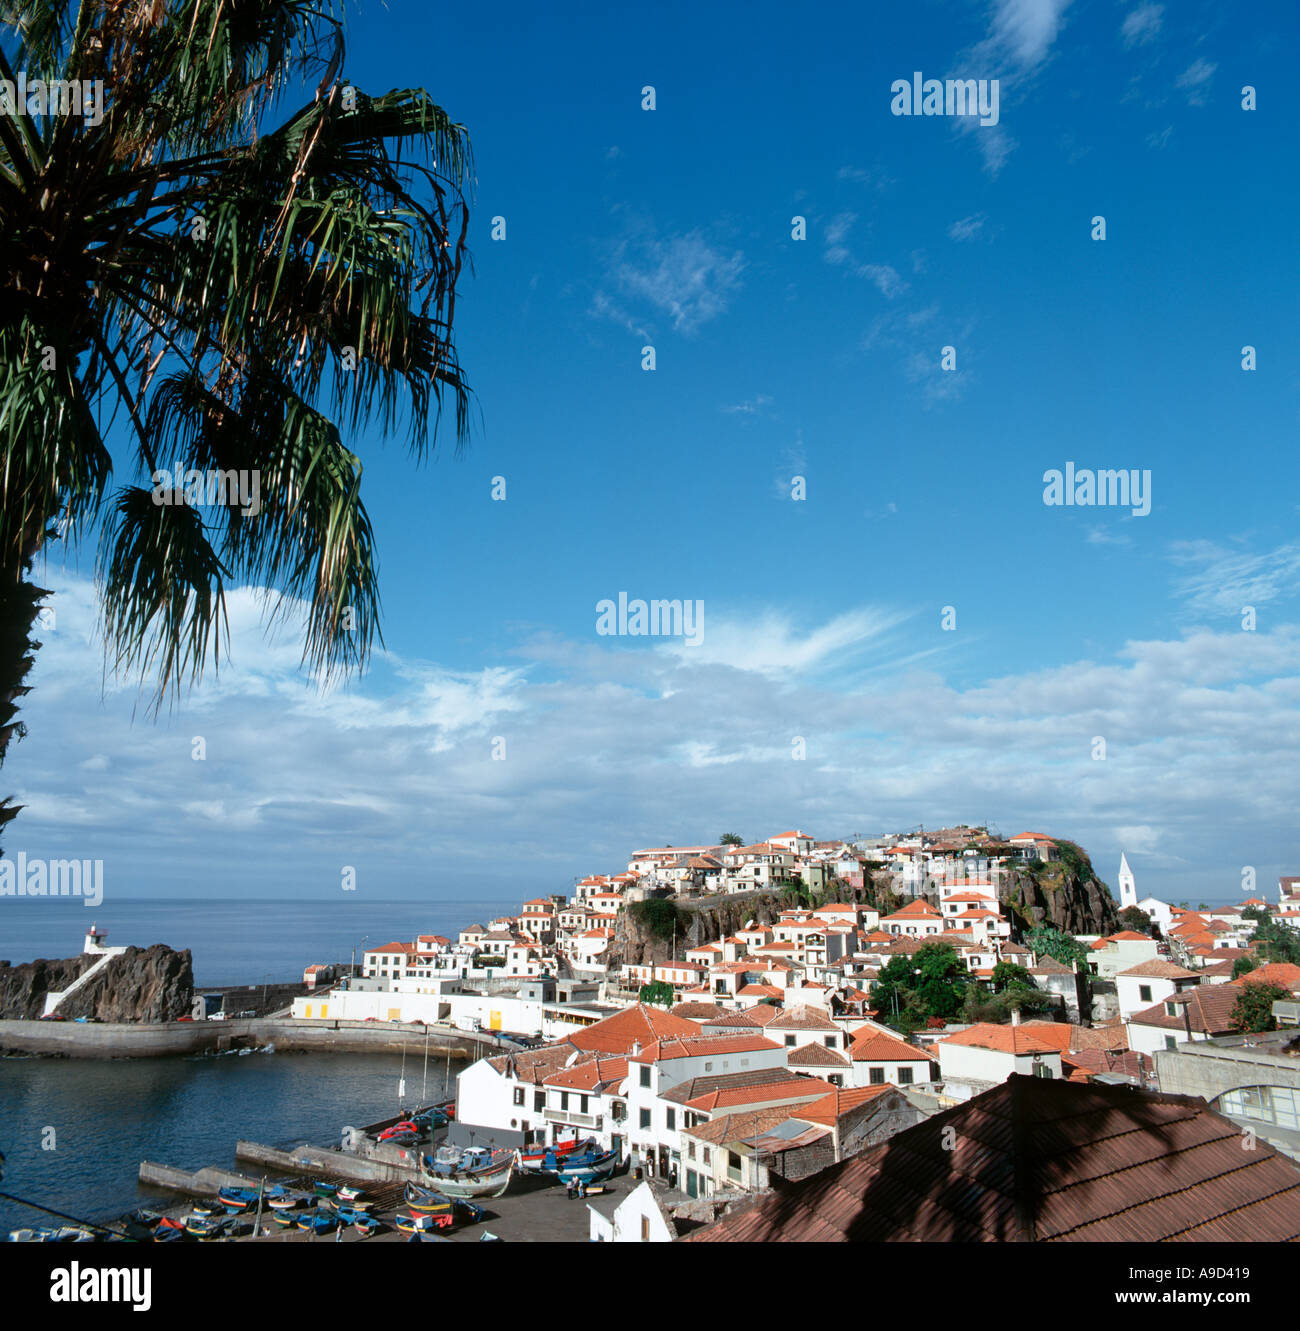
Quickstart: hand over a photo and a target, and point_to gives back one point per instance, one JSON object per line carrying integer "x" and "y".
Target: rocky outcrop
{"x": 1064, "y": 894}
{"x": 637, "y": 944}
{"x": 143, "y": 984}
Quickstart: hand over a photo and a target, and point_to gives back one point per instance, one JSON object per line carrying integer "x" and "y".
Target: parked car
{"x": 184, "y": 1018}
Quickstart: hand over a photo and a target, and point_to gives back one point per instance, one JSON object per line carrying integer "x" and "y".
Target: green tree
{"x": 731, "y": 839}
{"x": 1243, "y": 966}
{"x": 1064, "y": 947}
{"x": 1006, "y": 974}
{"x": 1253, "y": 1010}
{"x": 930, "y": 982}
{"x": 236, "y": 291}
{"x": 657, "y": 991}
{"x": 1137, "y": 920}
{"x": 1274, "y": 941}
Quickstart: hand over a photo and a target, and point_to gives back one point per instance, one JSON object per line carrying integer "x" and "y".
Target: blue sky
{"x": 774, "y": 358}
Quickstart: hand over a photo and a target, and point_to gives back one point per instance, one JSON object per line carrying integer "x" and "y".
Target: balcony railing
{"x": 568, "y": 1116}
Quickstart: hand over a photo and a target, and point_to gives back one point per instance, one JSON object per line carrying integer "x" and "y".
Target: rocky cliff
{"x": 1065, "y": 894}
{"x": 143, "y": 984}
{"x": 640, "y": 942}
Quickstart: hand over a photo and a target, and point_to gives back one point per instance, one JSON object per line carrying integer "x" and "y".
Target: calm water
{"x": 235, "y": 942}
{"x": 187, "y": 1112}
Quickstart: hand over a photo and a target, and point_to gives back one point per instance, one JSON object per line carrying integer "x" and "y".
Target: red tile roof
{"x": 635, "y": 1025}
{"x": 872, "y": 1046}
{"x": 1005, "y": 1039}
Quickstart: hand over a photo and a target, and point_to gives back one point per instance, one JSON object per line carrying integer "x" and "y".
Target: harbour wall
{"x": 66, "y": 1039}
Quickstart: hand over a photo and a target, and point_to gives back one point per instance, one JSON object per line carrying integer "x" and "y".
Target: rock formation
{"x": 143, "y": 984}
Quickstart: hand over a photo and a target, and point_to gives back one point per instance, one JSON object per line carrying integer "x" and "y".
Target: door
{"x": 692, "y": 1183}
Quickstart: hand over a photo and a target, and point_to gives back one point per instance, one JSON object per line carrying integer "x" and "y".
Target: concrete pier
{"x": 203, "y": 1183}
{"x": 69, "y": 1039}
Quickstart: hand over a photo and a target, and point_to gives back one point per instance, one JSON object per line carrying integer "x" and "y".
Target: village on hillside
{"x": 868, "y": 987}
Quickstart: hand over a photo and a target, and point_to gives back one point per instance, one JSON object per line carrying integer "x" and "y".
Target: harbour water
{"x": 99, "y": 1119}
{"x": 74, "y": 1131}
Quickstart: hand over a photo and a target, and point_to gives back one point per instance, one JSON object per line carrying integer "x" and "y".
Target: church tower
{"x": 1127, "y": 887}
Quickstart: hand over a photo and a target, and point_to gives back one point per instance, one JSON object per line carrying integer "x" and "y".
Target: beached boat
{"x": 425, "y": 1201}
{"x": 473, "y": 1173}
{"x": 546, "y": 1159}
{"x": 204, "y": 1226}
{"x": 322, "y": 1222}
{"x": 588, "y": 1170}
{"x": 286, "y": 1219}
{"x": 324, "y": 1189}
{"x": 237, "y": 1199}
{"x": 351, "y": 1192}
{"x": 289, "y": 1201}
{"x": 415, "y": 1224}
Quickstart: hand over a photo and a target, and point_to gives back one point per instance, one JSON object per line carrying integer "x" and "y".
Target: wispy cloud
{"x": 756, "y": 406}
{"x": 1142, "y": 25}
{"x": 885, "y": 278}
{"x": 967, "y": 228}
{"x": 685, "y": 277}
{"x": 1195, "y": 81}
{"x": 1222, "y": 581}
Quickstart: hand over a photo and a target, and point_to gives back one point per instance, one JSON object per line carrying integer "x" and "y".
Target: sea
{"x": 73, "y": 1132}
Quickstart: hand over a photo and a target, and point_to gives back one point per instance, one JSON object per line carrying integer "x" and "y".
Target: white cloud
{"x": 1023, "y": 31}
{"x": 685, "y": 277}
{"x": 967, "y": 228}
{"x": 886, "y": 279}
{"x": 611, "y": 744}
{"x": 1222, "y": 581}
{"x": 1142, "y": 24}
{"x": 1195, "y": 80}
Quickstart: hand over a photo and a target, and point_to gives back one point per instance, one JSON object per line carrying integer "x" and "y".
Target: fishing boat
{"x": 237, "y": 1199}
{"x": 588, "y": 1170}
{"x": 366, "y": 1225}
{"x": 286, "y": 1219}
{"x": 546, "y": 1159}
{"x": 476, "y": 1172}
{"x": 203, "y": 1226}
{"x": 469, "y": 1211}
{"x": 414, "y": 1224}
{"x": 322, "y": 1189}
{"x": 425, "y": 1201}
{"x": 320, "y": 1223}
{"x": 351, "y": 1192}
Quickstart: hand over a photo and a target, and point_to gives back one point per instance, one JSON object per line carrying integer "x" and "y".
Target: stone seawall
{"x": 67, "y": 1039}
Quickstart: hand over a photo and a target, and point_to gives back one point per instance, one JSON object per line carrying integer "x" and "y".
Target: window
{"x": 708, "y": 1067}
{"x": 582, "y": 1104}
{"x": 904, "y": 1076}
{"x": 704, "y": 1155}
{"x": 1171, "y": 1042}
{"x": 1171, "y": 1009}
{"x": 519, "y": 1095}
{"x": 830, "y": 1042}
{"x": 789, "y": 1041}
{"x": 645, "y": 1076}
{"x": 1144, "y": 993}
{"x": 690, "y": 1150}
{"x": 645, "y": 1229}
{"x": 564, "y": 1100}
{"x": 539, "y": 1101}
{"x": 877, "y": 1076}
{"x": 672, "y": 1120}
{"x": 1042, "y": 1070}
{"x": 645, "y": 1118}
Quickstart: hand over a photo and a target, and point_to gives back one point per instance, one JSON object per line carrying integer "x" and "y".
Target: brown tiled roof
{"x": 743, "y": 1123}
{"x": 1042, "y": 1160}
{"x": 694, "y": 1087}
{"x": 1050, "y": 966}
{"x": 816, "y": 1056}
{"x": 590, "y": 1074}
{"x": 1274, "y": 972}
{"x": 756, "y": 1018}
{"x": 1158, "y": 969}
{"x": 701, "y": 1046}
{"x": 1208, "y": 1010}
{"x": 698, "y": 1011}
{"x": 804, "y": 1018}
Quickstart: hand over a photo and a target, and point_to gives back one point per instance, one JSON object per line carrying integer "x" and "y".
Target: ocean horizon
{"x": 234, "y": 940}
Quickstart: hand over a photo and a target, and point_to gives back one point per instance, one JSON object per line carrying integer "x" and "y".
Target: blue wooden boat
{"x": 320, "y": 1223}
{"x": 588, "y": 1171}
{"x": 324, "y": 1189}
{"x": 237, "y": 1199}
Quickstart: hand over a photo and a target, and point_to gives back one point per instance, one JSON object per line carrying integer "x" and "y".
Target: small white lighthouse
{"x": 1128, "y": 895}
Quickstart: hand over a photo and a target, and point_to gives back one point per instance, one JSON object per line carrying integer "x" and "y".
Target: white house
{"x": 1150, "y": 982}
{"x": 879, "y": 1058}
{"x": 986, "y": 1055}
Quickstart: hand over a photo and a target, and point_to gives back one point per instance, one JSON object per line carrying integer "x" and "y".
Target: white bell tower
{"x": 1128, "y": 895}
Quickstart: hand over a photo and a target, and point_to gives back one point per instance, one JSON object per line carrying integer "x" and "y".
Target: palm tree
{"x": 204, "y": 279}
